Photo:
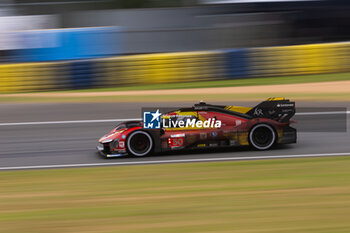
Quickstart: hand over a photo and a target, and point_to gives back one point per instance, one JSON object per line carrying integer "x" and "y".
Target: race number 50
{"x": 176, "y": 142}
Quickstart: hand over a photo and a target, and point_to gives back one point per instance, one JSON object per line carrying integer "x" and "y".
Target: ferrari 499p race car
{"x": 205, "y": 126}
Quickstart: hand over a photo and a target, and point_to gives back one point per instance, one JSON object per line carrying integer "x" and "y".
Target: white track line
{"x": 321, "y": 113}
{"x": 137, "y": 119}
{"x": 67, "y": 122}
{"x": 173, "y": 161}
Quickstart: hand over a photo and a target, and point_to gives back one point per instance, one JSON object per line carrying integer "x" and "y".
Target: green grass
{"x": 131, "y": 97}
{"x": 274, "y": 196}
{"x": 183, "y": 97}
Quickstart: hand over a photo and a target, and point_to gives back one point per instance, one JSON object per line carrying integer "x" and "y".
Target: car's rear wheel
{"x": 139, "y": 143}
{"x": 262, "y": 136}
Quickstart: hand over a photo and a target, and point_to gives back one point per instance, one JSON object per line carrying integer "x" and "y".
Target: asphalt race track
{"x": 59, "y": 137}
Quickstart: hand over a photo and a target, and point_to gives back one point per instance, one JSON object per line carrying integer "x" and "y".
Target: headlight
{"x": 107, "y": 140}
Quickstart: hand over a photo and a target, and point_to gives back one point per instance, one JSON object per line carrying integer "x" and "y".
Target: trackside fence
{"x": 175, "y": 67}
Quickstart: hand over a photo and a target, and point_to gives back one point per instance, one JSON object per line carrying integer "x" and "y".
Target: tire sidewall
{"x": 131, "y": 151}
{"x": 251, "y": 141}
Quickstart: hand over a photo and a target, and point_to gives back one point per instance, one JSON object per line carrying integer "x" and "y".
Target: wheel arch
{"x": 269, "y": 125}
{"x": 143, "y": 132}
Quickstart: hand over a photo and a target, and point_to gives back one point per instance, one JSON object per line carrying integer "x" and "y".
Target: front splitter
{"x": 100, "y": 150}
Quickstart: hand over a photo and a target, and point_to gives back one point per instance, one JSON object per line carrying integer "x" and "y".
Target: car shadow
{"x": 201, "y": 151}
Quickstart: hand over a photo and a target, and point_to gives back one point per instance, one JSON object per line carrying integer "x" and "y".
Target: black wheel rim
{"x": 140, "y": 143}
{"x": 262, "y": 136}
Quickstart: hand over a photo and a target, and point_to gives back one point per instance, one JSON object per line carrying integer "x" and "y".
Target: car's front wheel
{"x": 262, "y": 136}
{"x": 139, "y": 143}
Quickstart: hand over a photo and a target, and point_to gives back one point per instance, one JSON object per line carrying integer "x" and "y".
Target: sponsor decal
{"x": 214, "y": 134}
{"x": 201, "y": 145}
{"x": 178, "y": 135}
{"x": 151, "y": 120}
{"x": 233, "y": 142}
{"x": 271, "y": 112}
{"x": 123, "y": 136}
{"x": 203, "y": 136}
{"x": 190, "y": 138}
{"x": 285, "y": 105}
{"x": 258, "y": 112}
{"x": 121, "y": 144}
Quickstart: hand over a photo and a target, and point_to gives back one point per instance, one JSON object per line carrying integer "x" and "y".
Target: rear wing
{"x": 278, "y": 109}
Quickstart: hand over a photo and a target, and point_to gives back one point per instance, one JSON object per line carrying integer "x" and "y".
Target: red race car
{"x": 203, "y": 126}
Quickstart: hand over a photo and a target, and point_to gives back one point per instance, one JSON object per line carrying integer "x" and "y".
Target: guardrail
{"x": 175, "y": 67}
